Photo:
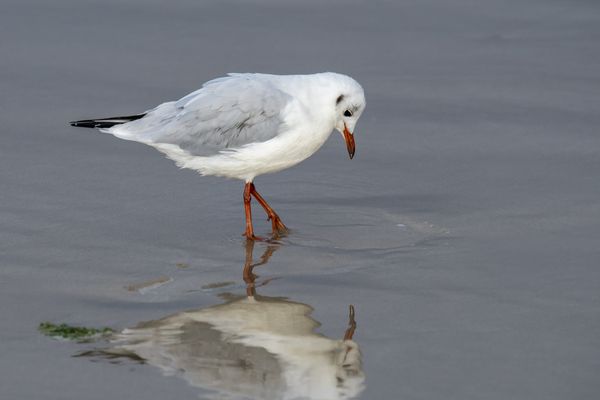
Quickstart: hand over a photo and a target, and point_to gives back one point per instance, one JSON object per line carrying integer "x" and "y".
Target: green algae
{"x": 77, "y": 333}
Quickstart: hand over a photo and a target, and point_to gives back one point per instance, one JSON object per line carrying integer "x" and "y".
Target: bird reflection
{"x": 250, "y": 347}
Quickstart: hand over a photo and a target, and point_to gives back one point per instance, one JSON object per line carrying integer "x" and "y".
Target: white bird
{"x": 245, "y": 125}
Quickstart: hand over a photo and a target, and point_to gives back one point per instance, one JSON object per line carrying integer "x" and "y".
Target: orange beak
{"x": 349, "y": 138}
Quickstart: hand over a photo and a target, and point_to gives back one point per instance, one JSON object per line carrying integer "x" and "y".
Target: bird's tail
{"x": 105, "y": 122}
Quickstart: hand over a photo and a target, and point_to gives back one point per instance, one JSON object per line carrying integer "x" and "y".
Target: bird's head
{"x": 349, "y": 105}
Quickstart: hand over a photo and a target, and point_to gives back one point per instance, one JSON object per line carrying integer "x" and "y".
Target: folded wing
{"x": 226, "y": 113}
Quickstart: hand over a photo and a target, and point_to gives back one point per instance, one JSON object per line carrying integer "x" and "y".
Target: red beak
{"x": 349, "y": 138}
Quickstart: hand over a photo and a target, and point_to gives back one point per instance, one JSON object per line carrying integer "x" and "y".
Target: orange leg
{"x": 277, "y": 224}
{"x": 249, "y": 233}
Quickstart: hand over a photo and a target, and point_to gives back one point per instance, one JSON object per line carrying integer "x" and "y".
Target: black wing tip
{"x": 105, "y": 122}
{"x": 85, "y": 123}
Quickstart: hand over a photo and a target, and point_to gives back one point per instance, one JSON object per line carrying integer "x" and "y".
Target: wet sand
{"x": 465, "y": 231}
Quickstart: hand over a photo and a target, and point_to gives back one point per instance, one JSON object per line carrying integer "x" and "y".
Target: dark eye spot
{"x": 339, "y": 99}
{"x": 347, "y": 113}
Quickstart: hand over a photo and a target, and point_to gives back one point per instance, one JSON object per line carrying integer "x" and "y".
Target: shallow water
{"x": 251, "y": 346}
{"x": 465, "y": 231}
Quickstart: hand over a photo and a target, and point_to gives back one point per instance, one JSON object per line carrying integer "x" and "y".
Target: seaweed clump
{"x": 78, "y": 333}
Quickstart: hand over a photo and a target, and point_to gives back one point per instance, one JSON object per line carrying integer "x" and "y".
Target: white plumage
{"x": 245, "y": 125}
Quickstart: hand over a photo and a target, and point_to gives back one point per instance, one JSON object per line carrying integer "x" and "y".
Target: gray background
{"x": 465, "y": 231}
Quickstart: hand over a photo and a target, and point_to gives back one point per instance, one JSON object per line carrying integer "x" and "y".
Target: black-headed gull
{"x": 245, "y": 125}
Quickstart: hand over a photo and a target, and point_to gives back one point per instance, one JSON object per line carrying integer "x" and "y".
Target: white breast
{"x": 302, "y": 138}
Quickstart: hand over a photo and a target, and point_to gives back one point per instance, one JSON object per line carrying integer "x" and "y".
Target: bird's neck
{"x": 317, "y": 94}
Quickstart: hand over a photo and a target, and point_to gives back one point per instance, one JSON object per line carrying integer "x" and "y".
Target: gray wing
{"x": 225, "y": 113}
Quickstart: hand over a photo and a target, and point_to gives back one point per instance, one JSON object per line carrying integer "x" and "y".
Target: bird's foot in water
{"x": 279, "y": 229}
{"x": 253, "y": 237}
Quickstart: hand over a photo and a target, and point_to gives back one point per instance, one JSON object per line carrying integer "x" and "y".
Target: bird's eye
{"x": 347, "y": 113}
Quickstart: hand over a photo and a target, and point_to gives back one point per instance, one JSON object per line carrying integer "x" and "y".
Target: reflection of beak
{"x": 349, "y": 138}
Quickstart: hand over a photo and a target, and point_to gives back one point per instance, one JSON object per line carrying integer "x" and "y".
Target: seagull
{"x": 247, "y": 124}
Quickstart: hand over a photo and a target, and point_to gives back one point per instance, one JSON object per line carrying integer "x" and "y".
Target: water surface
{"x": 465, "y": 231}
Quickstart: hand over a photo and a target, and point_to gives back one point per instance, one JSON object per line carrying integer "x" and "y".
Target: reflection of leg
{"x": 266, "y": 255}
{"x": 348, "y": 336}
{"x": 351, "y": 325}
{"x": 248, "y": 274}
{"x": 277, "y": 224}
